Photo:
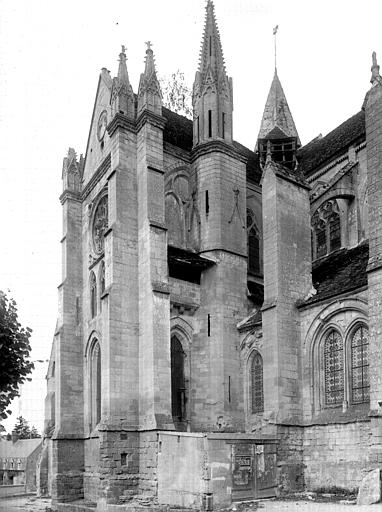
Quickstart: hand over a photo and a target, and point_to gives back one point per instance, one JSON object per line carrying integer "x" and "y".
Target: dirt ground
{"x": 32, "y": 504}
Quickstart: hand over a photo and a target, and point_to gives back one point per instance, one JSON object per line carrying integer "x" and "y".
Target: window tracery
{"x": 326, "y": 225}
{"x": 253, "y": 243}
{"x": 360, "y": 386}
{"x": 102, "y": 277}
{"x": 100, "y": 224}
{"x": 93, "y": 295}
{"x": 345, "y": 367}
{"x": 257, "y": 387}
{"x": 334, "y": 368}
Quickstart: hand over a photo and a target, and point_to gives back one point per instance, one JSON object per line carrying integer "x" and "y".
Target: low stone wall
{"x": 12, "y": 490}
{"x": 181, "y": 461}
{"x": 336, "y": 455}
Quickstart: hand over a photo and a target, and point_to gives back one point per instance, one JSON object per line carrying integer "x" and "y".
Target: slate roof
{"x": 20, "y": 449}
{"x": 253, "y": 319}
{"x": 340, "y": 272}
{"x": 321, "y": 150}
{"x": 178, "y": 131}
{"x": 189, "y": 259}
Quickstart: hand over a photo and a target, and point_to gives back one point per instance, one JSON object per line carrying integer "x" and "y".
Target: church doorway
{"x": 178, "y": 389}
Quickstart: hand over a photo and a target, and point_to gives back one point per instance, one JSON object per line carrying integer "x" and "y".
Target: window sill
{"x": 336, "y": 415}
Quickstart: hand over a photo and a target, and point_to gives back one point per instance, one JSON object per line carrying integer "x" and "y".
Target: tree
{"x": 23, "y": 430}
{"x": 15, "y": 349}
{"x": 176, "y": 94}
{"x": 35, "y": 433}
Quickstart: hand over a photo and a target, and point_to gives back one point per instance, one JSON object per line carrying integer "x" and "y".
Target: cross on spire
{"x": 275, "y": 40}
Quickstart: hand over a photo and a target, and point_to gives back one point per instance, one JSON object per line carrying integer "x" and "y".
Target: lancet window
{"x": 346, "y": 367}
{"x": 257, "y": 387}
{"x": 253, "y": 243}
{"x": 93, "y": 295}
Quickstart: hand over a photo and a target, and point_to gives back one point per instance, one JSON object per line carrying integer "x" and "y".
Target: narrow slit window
{"x": 208, "y": 325}
{"x": 210, "y": 46}
{"x": 198, "y": 129}
{"x": 207, "y": 203}
{"x": 210, "y": 123}
{"x": 223, "y": 125}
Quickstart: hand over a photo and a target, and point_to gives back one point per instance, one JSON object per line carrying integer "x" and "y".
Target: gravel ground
{"x": 32, "y": 504}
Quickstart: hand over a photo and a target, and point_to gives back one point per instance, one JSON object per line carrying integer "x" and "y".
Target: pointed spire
{"x": 71, "y": 172}
{"x": 149, "y": 92}
{"x": 375, "y": 76}
{"x": 211, "y": 53}
{"x": 122, "y": 96}
{"x": 277, "y": 116}
{"x": 212, "y": 90}
{"x": 123, "y": 75}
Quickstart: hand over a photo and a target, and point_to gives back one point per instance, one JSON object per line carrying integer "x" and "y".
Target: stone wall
{"x": 336, "y": 455}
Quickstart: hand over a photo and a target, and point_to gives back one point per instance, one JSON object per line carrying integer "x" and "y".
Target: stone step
{"x": 76, "y": 506}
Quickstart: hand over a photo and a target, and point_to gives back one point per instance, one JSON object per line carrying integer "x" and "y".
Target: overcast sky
{"x": 51, "y": 54}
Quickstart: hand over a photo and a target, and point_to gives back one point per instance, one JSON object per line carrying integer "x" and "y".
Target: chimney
{"x": 15, "y": 437}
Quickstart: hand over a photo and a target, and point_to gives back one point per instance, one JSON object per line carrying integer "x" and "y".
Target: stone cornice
{"x": 150, "y": 117}
{"x": 121, "y": 121}
{"x": 70, "y": 194}
{"x": 160, "y": 287}
{"x": 102, "y": 169}
{"x": 217, "y": 146}
{"x": 375, "y": 263}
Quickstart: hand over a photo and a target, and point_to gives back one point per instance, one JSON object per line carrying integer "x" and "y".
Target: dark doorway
{"x": 177, "y": 380}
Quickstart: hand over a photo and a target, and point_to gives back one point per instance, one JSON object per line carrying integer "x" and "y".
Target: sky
{"x": 51, "y": 54}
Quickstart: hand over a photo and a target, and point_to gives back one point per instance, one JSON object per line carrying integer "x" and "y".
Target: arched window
{"x": 257, "y": 391}
{"x": 102, "y": 277}
{"x": 95, "y": 384}
{"x": 326, "y": 225}
{"x": 174, "y": 220}
{"x": 177, "y": 380}
{"x": 360, "y": 386}
{"x": 93, "y": 295}
{"x": 334, "y": 231}
{"x": 253, "y": 243}
{"x": 321, "y": 245}
{"x": 334, "y": 368}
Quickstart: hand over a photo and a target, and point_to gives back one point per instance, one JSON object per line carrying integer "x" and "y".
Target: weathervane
{"x": 274, "y": 33}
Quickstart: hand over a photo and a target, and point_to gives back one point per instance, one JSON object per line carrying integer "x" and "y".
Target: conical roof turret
{"x": 277, "y": 121}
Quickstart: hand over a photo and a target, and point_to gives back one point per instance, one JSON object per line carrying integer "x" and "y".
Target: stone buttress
{"x": 220, "y": 176}
{"x": 373, "y": 118}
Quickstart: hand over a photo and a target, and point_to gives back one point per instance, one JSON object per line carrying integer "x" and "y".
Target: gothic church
{"x": 219, "y": 335}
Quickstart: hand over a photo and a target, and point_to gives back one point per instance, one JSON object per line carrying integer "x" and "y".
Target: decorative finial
{"x": 148, "y": 44}
{"x": 123, "y": 49}
{"x": 375, "y": 76}
{"x": 275, "y": 34}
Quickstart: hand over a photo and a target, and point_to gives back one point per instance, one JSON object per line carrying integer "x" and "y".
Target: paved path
{"x": 24, "y": 504}
{"x": 31, "y": 504}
